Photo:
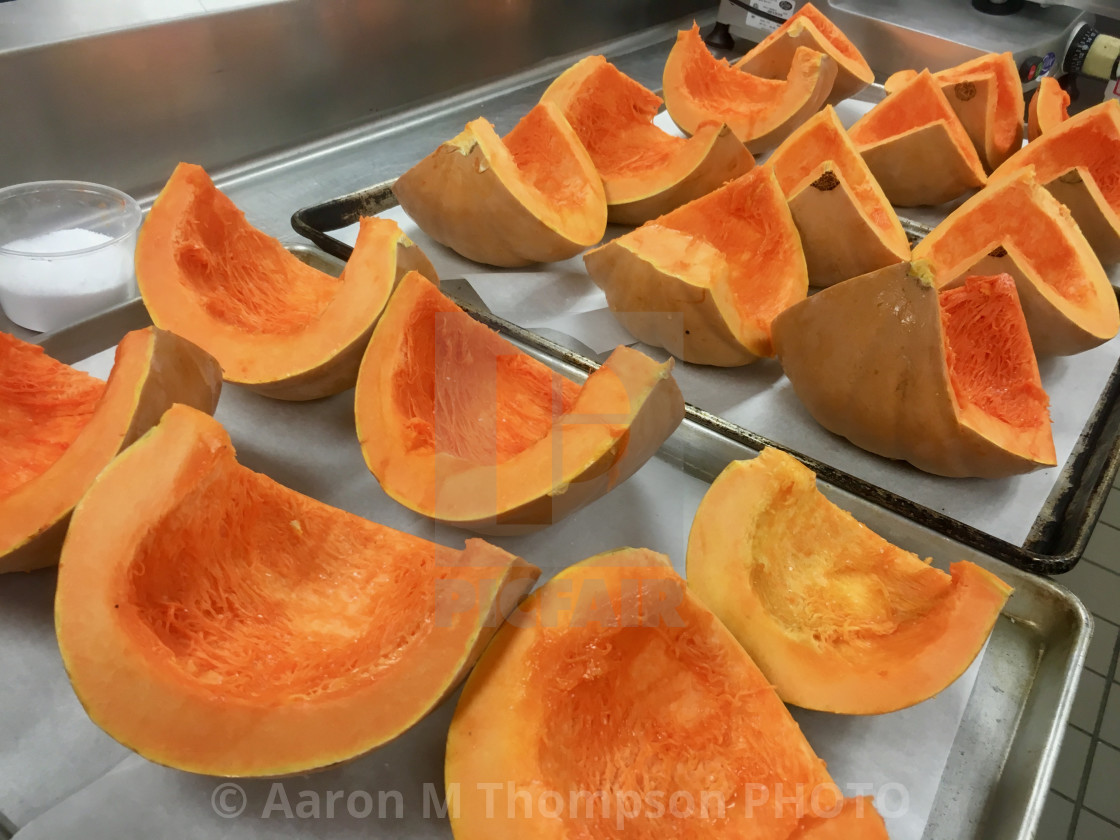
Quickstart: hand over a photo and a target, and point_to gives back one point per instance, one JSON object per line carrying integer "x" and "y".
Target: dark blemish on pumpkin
{"x": 1071, "y": 177}
{"x": 998, "y": 252}
{"x": 827, "y": 181}
{"x": 964, "y": 91}
{"x": 116, "y": 606}
{"x": 688, "y": 332}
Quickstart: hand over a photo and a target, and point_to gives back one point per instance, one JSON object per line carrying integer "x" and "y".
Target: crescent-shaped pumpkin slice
{"x": 1015, "y": 226}
{"x": 699, "y": 88}
{"x": 706, "y": 280}
{"x": 275, "y": 324}
{"x": 847, "y": 226}
{"x": 1049, "y": 108}
{"x": 531, "y": 196}
{"x": 947, "y": 381}
{"x": 459, "y": 425}
{"x": 218, "y": 622}
{"x": 646, "y": 171}
{"x": 60, "y": 427}
{"x": 628, "y": 709}
{"x": 835, "y": 616}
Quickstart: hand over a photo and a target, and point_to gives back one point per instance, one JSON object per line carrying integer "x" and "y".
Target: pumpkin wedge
{"x": 275, "y": 324}
{"x": 807, "y": 27}
{"x": 847, "y": 226}
{"x": 646, "y": 172}
{"x": 947, "y": 381}
{"x": 836, "y": 617}
{"x": 531, "y": 196}
{"x": 699, "y": 88}
{"x": 1016, "y": 226}
{"x": 916, "y": 147}
{"x": 459, "y": 425}
{"x": 628, "y": 709}
{"x": 60, "y": 427}
{"x": 218, "y": 622}
{"x": 1049, "y": 108}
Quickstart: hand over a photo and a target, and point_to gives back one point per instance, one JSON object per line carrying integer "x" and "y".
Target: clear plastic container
{"x": 66, "y": 251}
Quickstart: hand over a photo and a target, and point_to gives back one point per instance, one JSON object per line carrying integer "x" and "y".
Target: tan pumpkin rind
{"x": 276, "y": 325}
{"x": 836, "y": 617}
{"x": 646, "y": 171}
{"x": 1016, "y": 226}
{"x": 699, "y": 88}
{"x": 62, "y": 427}
{"x": 531, "y": 196}
{"x": 218, "y": 622}
{"x": 459, "y": 425}
{"x": 808, "y": 27}
{"x": 846, "y": 223}
{"x": 1049, "y": 108}
{"x": 878, "y": 360}
{"x": 706, "y": 280}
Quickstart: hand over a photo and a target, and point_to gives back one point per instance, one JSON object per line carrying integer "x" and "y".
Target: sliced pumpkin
{"x": 1049, "y": 108}
{"x": 699, "y": 88}
{"x": 275, "y": 324}
{"x": 836, "y": 618}
{"x": 847, "y": 226}
{"x": 60, "y": 427}
{"x": 706, "y": 280}
{"x": 459, "y": 425}
{"x": 1016, "y": 226}
{"x": 628, "y": 709}
{"x": 216, "y": 621}
{"x": 808, "y": 27}
{"x": 531, "y": 196}
{"x": 947, "y": 381}
{"x": 916, "y": 147}
{"x": 646, "y": 171}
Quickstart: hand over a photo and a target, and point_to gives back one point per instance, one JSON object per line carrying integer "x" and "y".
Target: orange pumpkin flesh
{"x": 459, "y": 425}
{"x": 275, "y": 324}
{"x": 645, "y": 171}
{"x": 61, "y": 427}
{"x": 614, "y": 683}
{"x": 705, "y": 280}
{"x": 847, "y": 226}
{"x": 836, "y": 617}
{"x": 218, "y": 622}
{"x": 947, "y": 381}
{"x": 916, "y": 147}
{"x": 700, "y": 88}
{"x": 1016, "y": 226}
{"x": 532, "y": 196}
{"x": 771, "y": 57}
{"x": 1049, "y": 108}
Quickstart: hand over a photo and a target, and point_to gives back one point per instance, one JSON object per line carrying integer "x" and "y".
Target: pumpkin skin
{"x": 61, "y": 427}
{"x": 1016, "y": 226}
{"x": 836, "y": 617}
{"x": 807, "y": 27}
{"x": 916, "y": 147}
{"x": 724, "y": 265}
{"x": 646, "y": 172}
{"x": 906, "y": 372}
{"x": 699, "y": 88}
{"x": 614, "y": 678}
{"x": 1049, "y": 108}
{"x": 531, "y": 196}
{"x": 276, "y": 325}
{"x": 177, "y": 551}
{"x": 459, "y": 425}
{"x": 846, "y": 223}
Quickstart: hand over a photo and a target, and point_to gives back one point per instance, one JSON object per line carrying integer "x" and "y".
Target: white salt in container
{"x": 66, "y": 251}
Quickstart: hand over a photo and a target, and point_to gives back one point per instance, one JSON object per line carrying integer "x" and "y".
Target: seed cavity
{"x": 827, "y": 181}
{"x": 964, "y": 91}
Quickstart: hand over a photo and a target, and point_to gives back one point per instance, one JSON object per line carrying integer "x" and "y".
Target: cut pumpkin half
{"x": 459, "y": 425}
{"x": 531, "y": 196}
{"x": 1049, "y": 108}
{"x": 1016, "y": 226}
{"x": 836, "y": 617}
{"x": 699, "y": 88}
{"x": 60, "y": 427}
{"x": 947, "y": 381}
{"x": 846, "y": 223}
{"x": 646, "y": 172}
{"x": 275, "y": 324}
{"x": 215, "y": 621}
{"x": 706, "y": 280}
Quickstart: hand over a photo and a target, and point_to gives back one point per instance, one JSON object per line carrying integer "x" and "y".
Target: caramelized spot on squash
{"x": 546, "y": 161}
{"x": 44, "y": 405}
